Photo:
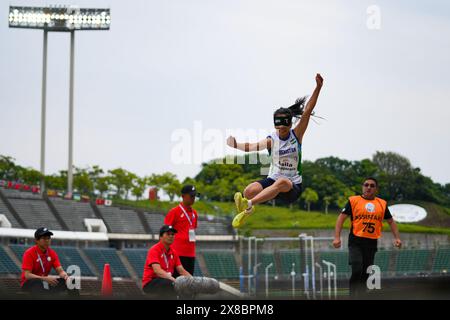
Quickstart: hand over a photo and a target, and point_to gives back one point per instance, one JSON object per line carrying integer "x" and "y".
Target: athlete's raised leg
{"x": 252, "y": 190}
{"x": 269, "y": 193}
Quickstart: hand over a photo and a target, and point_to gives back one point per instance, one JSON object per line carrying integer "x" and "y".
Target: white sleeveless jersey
{"x": 286, "y": 158}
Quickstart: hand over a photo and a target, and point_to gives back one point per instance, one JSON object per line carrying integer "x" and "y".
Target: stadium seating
{"x": 35, "y": 213}
{"x": 70, "y": 256}
{"x": 382, "y": 259}
{"x": 211, "y": 228}
{"x": 265, "y": 259}
{"x": 155, "y": 221}
{"x": 136, "y": 257}
{"x": 4, "y": 210}
{"x": 74, "y": 213}
{"x": 7, "y": 265}
{"x": 12, "y": 193}
{"x": 101, "y": 256}
{"x": 412, "y": 261}
{"x": 340, "y": 259}
{"x": 122, "y": 221}
{"x": 288, "y": 257}
{"x": 197, "y": 270}
{"x": 441, "y": 262}
{"x": 19, "y": 249}
{"x": 221, "y": 264}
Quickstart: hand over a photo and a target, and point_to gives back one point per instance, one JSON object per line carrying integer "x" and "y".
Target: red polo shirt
{"x": 177, "y": 219}
{"x": 158, "y": 254}
{"x": 31, "y": 262}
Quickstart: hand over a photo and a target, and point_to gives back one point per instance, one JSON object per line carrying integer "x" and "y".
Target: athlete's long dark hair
{"x": 296, "y": 110}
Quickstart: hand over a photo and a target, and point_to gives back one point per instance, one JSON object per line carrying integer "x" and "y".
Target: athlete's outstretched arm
{"x": 304, "y": 120}
{"x": 249, "y": 147}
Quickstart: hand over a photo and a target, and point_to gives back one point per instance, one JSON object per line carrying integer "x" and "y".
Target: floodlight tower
{"x": 59, "y": 19}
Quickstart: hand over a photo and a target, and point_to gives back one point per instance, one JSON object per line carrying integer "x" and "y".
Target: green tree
{"x": 82, "y": 182}
{"x": 139, "y": 186}
{"x": 310, "y": 196}
{"x": 120, "y": 180}
{"x": 327, "y": 200}
{"x": 8, "y": 170}
{"x": 221, "y": 181}
{"x": 167, "y": 182}
{"x": 103, "y": 185}
{"x": 57, "y": 182}
{"x": 396, "y": 178}
{"x": 95, "y": 173}
{"x": 342, "y": 199}
{"x": 30, "y": 176}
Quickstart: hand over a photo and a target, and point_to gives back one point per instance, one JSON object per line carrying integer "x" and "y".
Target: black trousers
{"x": 188, "y": 264}
{"x": 36, "y": 287}
{"x": 360, "y": 258}
{"x": 160, "y": 288}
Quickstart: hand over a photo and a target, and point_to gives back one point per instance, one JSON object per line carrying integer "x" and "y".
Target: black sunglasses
{"x": 372, "y": 185}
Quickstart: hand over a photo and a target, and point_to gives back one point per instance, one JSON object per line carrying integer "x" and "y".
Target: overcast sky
{"x": 168, "y": 68}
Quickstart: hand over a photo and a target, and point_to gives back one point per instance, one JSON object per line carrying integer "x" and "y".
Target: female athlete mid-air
{"x": 284, "y": 181}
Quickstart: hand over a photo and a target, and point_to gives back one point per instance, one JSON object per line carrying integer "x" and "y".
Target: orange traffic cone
{"x": 107, "y": 281}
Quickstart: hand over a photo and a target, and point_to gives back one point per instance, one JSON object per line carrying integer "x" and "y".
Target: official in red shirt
{"x": 37, "y": 262}
{"x": 160, "y": 265}
{"x": 184, "y": 219}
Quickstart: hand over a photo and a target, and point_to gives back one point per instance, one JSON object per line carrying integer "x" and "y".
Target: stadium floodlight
{"x": 58, "y": 19}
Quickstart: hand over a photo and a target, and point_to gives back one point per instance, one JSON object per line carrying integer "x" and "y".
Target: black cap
{"x": 166, "y": 228}
{"x": 42, "y": 231}
{"x": 189, "y": 189}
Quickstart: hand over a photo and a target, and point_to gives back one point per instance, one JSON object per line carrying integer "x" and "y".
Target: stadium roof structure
{"x": 59, "y": 18}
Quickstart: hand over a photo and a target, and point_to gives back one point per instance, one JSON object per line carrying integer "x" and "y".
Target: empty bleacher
{"x": 17, "y": 194}
{"x": 155, "y": 221}
{"x": 412, "y": 261}
{"x": 340, "y": 259}
{"x": 101, "y": 256}
{"x": 221, "y": 264}
{"x": 197, "y": 270}
{"x": 136, "y": 257}
{"x": 382, "y": 260}
{"x": 7, "y": 265}
{"x": 441, "y": 263}
{"x": 35, "y": 213}
{"x": 287, "y": 258}
{"x": 74, "y": 213}
{"x": 70, "y": 256}
{"x": 122, "y": 221}
{"x": 265, "y": 259}
{"x": 211, "y": 228}
{"x": 19, "y": 250}
{"x": 4, "y": 210}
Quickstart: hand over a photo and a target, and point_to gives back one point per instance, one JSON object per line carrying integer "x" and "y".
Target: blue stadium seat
{"x": 7, "y": 265}
{"x": 101, "y": 256}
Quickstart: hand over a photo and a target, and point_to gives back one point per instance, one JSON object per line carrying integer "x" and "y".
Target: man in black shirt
{"x": 367, "y": 213}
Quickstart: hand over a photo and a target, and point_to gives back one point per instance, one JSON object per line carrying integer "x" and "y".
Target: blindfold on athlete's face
{"x": 282, "y": 121}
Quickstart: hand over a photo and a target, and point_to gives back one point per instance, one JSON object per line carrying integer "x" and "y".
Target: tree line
{"x": 327, "y": 182}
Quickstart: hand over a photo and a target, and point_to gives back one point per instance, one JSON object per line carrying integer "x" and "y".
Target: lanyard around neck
{"x": 40, "y": 260}
{"x": 186, "y": 214}
{"x": 166, "y": 261}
